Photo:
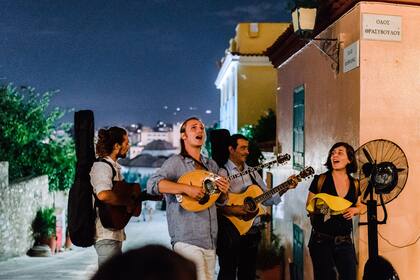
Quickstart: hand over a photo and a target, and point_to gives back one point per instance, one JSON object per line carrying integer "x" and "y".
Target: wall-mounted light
{"x": 303, "y": 19}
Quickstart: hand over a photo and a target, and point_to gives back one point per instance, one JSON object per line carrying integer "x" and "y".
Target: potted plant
{"x": 43, "y": 228}
{"x": 270, "y": 260}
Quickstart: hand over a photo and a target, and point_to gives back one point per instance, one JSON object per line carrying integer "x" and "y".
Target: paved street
{"x": 80, "y": 263}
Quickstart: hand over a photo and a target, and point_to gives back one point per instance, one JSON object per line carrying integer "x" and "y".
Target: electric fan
{"x": 382, "y": 172}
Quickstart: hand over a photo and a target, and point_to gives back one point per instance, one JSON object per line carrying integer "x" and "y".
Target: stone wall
{"x": 18, "y": 205}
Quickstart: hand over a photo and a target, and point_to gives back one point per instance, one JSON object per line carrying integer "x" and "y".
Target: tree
{"x": 265, "y": 130}
{"x": 30, "y": 140}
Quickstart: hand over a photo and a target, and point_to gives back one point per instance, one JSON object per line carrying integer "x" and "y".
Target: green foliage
{"x": 29, "y": 140}
{"x": 247, "y": 131}
{"x": 265, "y": 130}
{"x": 271, "y": 254}
{"x": 43, "y": 226}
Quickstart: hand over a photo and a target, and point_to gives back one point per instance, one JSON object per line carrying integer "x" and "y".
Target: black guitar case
{"x": 219, "y": 140}
{"x": 81, "y": 213}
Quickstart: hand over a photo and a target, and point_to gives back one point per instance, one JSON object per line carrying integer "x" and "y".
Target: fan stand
{"x": 372, "y": 222}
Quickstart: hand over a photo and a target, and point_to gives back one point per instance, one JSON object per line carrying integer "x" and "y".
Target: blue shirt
{"x": 195, "y": 228}
{"x": 240, "y": 184}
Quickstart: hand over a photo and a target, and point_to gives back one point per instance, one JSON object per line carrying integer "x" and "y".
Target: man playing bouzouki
{"x": 193, "y": 234}
{"x": 112, "y": 144}
{"x": 237, "y": 253}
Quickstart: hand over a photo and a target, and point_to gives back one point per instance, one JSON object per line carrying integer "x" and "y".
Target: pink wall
{"x": 332, "y": 106}
{"x": 390, "y": 106}
{"x": 380, "y": 99}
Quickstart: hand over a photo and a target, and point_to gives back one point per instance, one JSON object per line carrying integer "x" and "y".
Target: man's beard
{"x": 120, "y": 155}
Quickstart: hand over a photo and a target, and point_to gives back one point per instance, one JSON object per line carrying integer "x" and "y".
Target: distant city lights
{"x": 208, "y": 111}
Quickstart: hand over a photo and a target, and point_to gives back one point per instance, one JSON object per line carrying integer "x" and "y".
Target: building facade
{"x": 371, "y": 93}
{"x": 247, "y": 80}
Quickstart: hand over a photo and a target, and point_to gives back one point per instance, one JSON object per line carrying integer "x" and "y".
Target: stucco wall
{"x": 331, "y": 115}
{"x": 18, "y": 205}
{"x": 390, "y": 106}
{"x": 377, "y": 100}
{"x": 256, "y": 92}
{"x": 248, "y": 42}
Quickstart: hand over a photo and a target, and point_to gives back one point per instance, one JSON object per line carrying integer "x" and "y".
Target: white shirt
{"x": 101, "y": 180}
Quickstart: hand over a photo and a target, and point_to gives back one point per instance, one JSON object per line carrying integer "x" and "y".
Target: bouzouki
{"x": 252, "y": 198}
{"x": 206, "y": 180}
{"x": 117, "y": 216}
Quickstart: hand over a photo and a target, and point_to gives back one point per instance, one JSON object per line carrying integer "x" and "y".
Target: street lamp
{"x": 303, "y": 19}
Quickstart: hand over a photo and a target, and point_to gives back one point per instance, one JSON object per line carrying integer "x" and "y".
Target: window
{"x": 253, "y": 29}
{"x": 299, "y": 128}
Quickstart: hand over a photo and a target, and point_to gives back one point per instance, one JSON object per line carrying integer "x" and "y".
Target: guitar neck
{"x": 251, "y": 169}
{"x": 281, "y": 189}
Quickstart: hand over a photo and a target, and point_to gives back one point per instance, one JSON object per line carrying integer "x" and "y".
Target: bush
{"x": 271, "y": 254}
{"x": 44, "y": 224}
{"x": 30, "y": 140}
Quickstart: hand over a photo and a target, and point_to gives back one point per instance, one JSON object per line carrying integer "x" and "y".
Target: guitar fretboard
{"x": 281, "y": 189}
{"x": 280, "y": 160}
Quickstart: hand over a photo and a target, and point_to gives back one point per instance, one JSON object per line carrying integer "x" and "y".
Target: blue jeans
{"x": 107, "y": 248}
{"x": 330, "y": 258}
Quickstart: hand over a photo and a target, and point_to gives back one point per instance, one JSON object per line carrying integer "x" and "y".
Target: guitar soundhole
{"x": 209, "y": 186}
{"x": 250, "y": 204}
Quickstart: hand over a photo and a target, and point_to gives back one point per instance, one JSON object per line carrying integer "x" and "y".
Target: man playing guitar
{"x": 112, "y": 144}
{"x": 193, "y": 234}
{"x": 237, "y": 253}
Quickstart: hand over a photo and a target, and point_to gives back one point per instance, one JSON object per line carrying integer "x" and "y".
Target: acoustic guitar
{"x": 207, "y": 180}
{"x": 254, "y": 196}
{"x": 117, "y": 216}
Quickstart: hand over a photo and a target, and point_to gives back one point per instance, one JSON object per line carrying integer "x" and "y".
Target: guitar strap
{"x": 321, "y": 180}
{"x": 253, "y": 179}
{"x": 196, "y": 161}
{"x": 114, "y": 173}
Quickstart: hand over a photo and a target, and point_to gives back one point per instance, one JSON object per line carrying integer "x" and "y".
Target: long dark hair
{"x": 352, "y": 166}
{"x": 107, "y": 138}
{"x": 182, "y": 130}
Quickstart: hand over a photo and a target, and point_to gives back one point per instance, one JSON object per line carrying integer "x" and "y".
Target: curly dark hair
{"x": 352, "y": 166}
{"x": 107, "y": 138}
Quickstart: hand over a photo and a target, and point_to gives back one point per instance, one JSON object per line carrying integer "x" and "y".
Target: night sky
{"x": 125, "y": 60}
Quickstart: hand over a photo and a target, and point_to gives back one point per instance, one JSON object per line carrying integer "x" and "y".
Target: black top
{"x": 336, "y": 225}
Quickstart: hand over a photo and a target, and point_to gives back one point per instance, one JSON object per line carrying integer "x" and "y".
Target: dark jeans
{"x": 237, "y": 254}
{"x": 330, "y": 257}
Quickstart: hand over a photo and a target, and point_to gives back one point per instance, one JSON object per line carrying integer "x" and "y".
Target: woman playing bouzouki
{"x": 193, "y": 234}
{"x": 333, "y": 201}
